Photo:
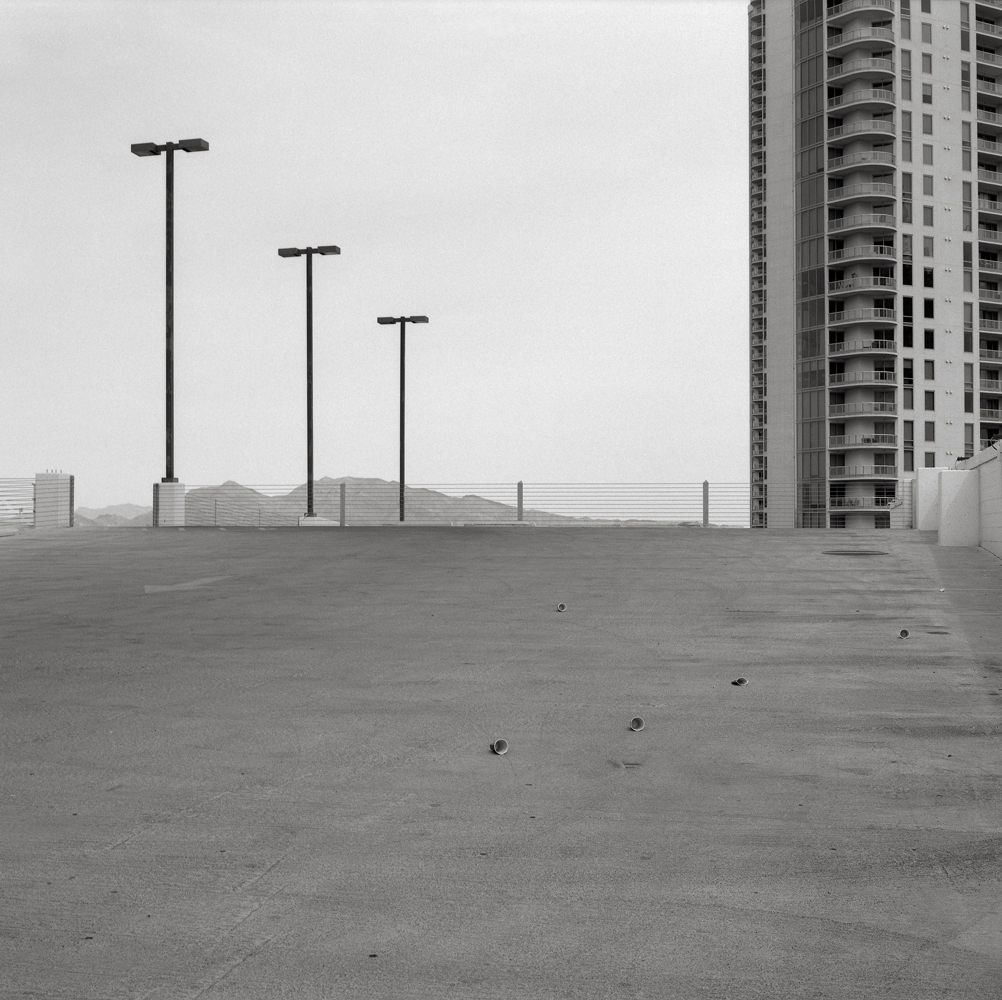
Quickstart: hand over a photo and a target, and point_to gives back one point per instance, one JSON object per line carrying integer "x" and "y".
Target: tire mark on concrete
{"x": 235, "y": 963}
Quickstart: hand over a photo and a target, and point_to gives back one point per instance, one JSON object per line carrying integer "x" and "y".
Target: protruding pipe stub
{"x": 561, "y": 607}
{"x": 637, "y": 724}
{"x": 740, "y": 681}
{"x": 500, "y": 747}
{"x": 903, "y": 634}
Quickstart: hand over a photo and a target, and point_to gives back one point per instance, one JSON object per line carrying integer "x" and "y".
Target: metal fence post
{"x": 520, "y": 499}
{"x": 706, "y": 503}
{"x": 342, "y": 504}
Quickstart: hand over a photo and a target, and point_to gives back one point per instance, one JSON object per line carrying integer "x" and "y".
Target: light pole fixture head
{"x": 192, "y": 145}
{"x": 327, "y": 251}
{"x": 290, "y": 252}
{"x": 145, "y": 149}
{"x": 417, "y": 319}
{"x": 386, "y": 320}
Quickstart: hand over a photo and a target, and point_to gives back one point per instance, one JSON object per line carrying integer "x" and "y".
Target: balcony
{"x": 988, "y": 148}
{"x": 860, "y": 99}
{"x": 986, "y": 28}
{"x": 991, "y": 413}
{"x": 861, "y": 503}
{"x": 984, "y": 87}
{"x": 989, "y": 324}
{"x": 849, "y": 317}
{"x": 845, "y": 10}
{"x": 863, "y": 347}
{"x": 862, "y": 378}
{"x": 860, "y": 38}
{"x": 849, "y": 285}
{"x": 863, "y": 441}
{"x": 862, "y": 253}
{"x": 876, "y": 68}
{"x": 990, "y": 118}
{"x": 990, "y": 176}
{"x": 860, "y": 409}
{"x": 989, "y": 295}
{"x": 869, "y": 222}
{"x": 862, "y": 472}
{"x": 990, "y": 206}
{"x": 989, "y": 58}
{"x": 874, "y": 191}
{"x": 986, "y": 443}
{"x": 989, "y": 265}
{"x": 989, "y": 235}
{"x": 864, "y": 158}
{"x": 869, "y": 126}
{"x": 991, "y": 385}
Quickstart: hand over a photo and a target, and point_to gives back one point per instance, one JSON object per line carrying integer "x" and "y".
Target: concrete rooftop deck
{"x": 256, "y": 764}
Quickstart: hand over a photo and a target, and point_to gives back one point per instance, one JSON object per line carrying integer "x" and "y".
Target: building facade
{"x": 876, "y": 251}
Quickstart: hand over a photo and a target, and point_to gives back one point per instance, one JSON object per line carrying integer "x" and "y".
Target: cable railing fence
{"x": 353, "y": 503}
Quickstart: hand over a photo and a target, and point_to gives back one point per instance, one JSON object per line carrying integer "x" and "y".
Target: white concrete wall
{"x": 991, "y": 506}
{"x": 53, "y": 506}
{"x": 926, "y": 494}
{"x": 968, "y": 502}
{"x": 959, "y": 500}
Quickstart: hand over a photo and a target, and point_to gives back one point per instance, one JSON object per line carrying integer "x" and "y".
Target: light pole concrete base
{"x": 168, "y": 505}
{"x": 317, "y": 522}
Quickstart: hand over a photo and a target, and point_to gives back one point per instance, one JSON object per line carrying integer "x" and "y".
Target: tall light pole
{"x": 403, "y": 321}
{"x": 309, "y": 251}
{"x": 152, "y": 149}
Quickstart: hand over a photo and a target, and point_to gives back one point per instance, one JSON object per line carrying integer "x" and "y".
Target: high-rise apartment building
{"x": 876, "y": 251}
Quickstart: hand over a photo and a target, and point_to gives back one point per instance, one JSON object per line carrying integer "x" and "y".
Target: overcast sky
{"x": 561, "y": 187}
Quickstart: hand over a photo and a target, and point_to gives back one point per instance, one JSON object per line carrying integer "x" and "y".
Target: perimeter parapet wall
{"x": 984, "y": 495}
{"x": 963, "y": 504}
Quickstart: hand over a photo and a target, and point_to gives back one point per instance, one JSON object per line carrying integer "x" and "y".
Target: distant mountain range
{"x": 367, "y": 502}
{"x": 116, "y": 516}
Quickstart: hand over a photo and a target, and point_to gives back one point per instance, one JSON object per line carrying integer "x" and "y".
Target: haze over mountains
{"x": 367, "y": 502}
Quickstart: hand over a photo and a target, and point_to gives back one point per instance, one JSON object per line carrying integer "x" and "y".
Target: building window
{"x": 906, "y": 211}
{"x": 929, "y": 312}
{"x": 927, "y": 124}
{"x": 882, "y": 519}
{"x": 968, "y": 440}
{"x": 927, "y": 154}
{"x": 906, "y": 336}
{"x": 930, "y": 430}
{"x": 926, "y": 33}
{"x": 930, "y": 340}
{"x": 909, "y": 461}
{"x": 838, "y": 520}
{"x": 927, "y": 68}
{"x": 927, "y": 277}
{"x": 927, "y": 215}
{"x": 930, "y": 460}
{"x": 927, "y": 184}
{"x": 930, "y": 370}
{"x": 930, "y": 400}
{"x": 927, "y": 246}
